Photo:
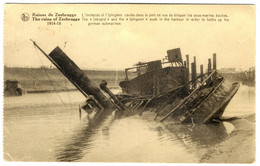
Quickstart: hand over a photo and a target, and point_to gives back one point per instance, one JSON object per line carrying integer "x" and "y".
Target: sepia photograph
{"x": 129, "y": 83}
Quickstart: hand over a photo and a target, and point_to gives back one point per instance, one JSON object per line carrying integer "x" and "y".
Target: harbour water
{"x": 47, "y": 127}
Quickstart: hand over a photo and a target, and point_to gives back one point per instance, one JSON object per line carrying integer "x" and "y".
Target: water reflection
{"x": 72, "y": 149}
{"x": 200, "y": 135}
{"x": 192, "y": 138}
{"x": 38, "y": 127}
{"x": 243, "y": 103}
{"x": 132, "y": 139}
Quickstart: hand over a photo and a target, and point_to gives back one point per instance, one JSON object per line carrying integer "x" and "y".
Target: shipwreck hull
{"x": 214, "y": 105}
{"x": 164, "y": 87}
{"x": 155, "y": 83}
{"x": 206, "y": 103}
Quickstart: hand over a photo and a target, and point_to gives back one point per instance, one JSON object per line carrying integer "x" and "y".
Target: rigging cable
{"x": 67, "y": 92}
{"x": 71, "y": 108}
{"x": 66, "y": 82}
{"x": 48, "y": 76}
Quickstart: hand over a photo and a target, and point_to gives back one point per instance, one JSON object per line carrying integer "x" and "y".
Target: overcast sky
{"x": 121, "y": 46}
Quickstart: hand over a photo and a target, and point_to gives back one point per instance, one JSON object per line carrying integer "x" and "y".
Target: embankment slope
{"x": 239, "y": 147}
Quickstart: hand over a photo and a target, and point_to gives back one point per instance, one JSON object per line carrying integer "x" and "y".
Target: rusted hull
{"x": 214, "y": 105}
{"x": 155, "y": 83}
{"x": 204, "y": 104}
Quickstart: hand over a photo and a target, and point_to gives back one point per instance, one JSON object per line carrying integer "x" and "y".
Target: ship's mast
{"x": 58, "y": 67}
{"x": 76, "y": 76}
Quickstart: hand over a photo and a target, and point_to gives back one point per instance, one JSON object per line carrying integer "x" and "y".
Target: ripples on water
{"x": 39, "y": 127}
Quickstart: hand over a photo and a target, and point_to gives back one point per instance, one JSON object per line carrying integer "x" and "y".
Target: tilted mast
{"x": 76, "y": 76}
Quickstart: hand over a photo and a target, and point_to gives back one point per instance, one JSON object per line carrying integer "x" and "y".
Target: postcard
{"x": 141, "y": 83}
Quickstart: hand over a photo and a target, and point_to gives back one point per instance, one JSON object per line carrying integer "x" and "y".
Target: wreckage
{"x": 12, "y": 88}
{"x": 163, "y": 87}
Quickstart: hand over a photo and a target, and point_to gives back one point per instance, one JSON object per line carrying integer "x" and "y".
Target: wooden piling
{"x": 193, "y": 74}
{"x": 214, "y": 61}
{"x": 188, "y": 61}
{"x": 209, "y": 65}
{"x": 195, "y": 66}
{"x": 201, "y": 73}
{"x": 188, "y": 68}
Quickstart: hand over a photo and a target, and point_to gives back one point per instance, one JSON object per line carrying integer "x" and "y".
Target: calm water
{"x": 47, "y": 127}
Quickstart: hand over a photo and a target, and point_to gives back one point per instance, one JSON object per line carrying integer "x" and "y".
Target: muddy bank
{"x": 239, "y": 147}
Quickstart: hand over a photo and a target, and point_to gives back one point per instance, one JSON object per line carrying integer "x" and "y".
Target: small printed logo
{"x": 25, "y": 17}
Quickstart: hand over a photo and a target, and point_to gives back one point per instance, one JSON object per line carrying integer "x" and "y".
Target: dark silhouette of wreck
{"x": 164, "y": 87}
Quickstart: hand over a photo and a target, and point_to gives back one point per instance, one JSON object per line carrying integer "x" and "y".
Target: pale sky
{"x": 122, "y": 46}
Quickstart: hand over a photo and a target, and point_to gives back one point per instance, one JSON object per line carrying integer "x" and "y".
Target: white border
{"x": 256, "y": 2}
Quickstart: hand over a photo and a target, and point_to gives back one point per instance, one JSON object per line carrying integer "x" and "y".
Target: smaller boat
{"x": 13, "y": 88}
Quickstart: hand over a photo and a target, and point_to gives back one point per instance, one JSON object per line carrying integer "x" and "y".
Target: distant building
{"x": 227, "y": 70}
{"x": 249, "y": 77}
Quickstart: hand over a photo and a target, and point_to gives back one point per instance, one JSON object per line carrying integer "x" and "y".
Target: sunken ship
{"x": 170, "y": 88}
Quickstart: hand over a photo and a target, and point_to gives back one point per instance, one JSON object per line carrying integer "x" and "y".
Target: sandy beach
{"x": 239, "y": 147}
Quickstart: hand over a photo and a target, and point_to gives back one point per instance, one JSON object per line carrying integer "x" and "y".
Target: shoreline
{"x": 59, "y": 90}
{"x": 239, "y": 147}
{"x": 38, "y": 80}
{"x": 50, "y": 91}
